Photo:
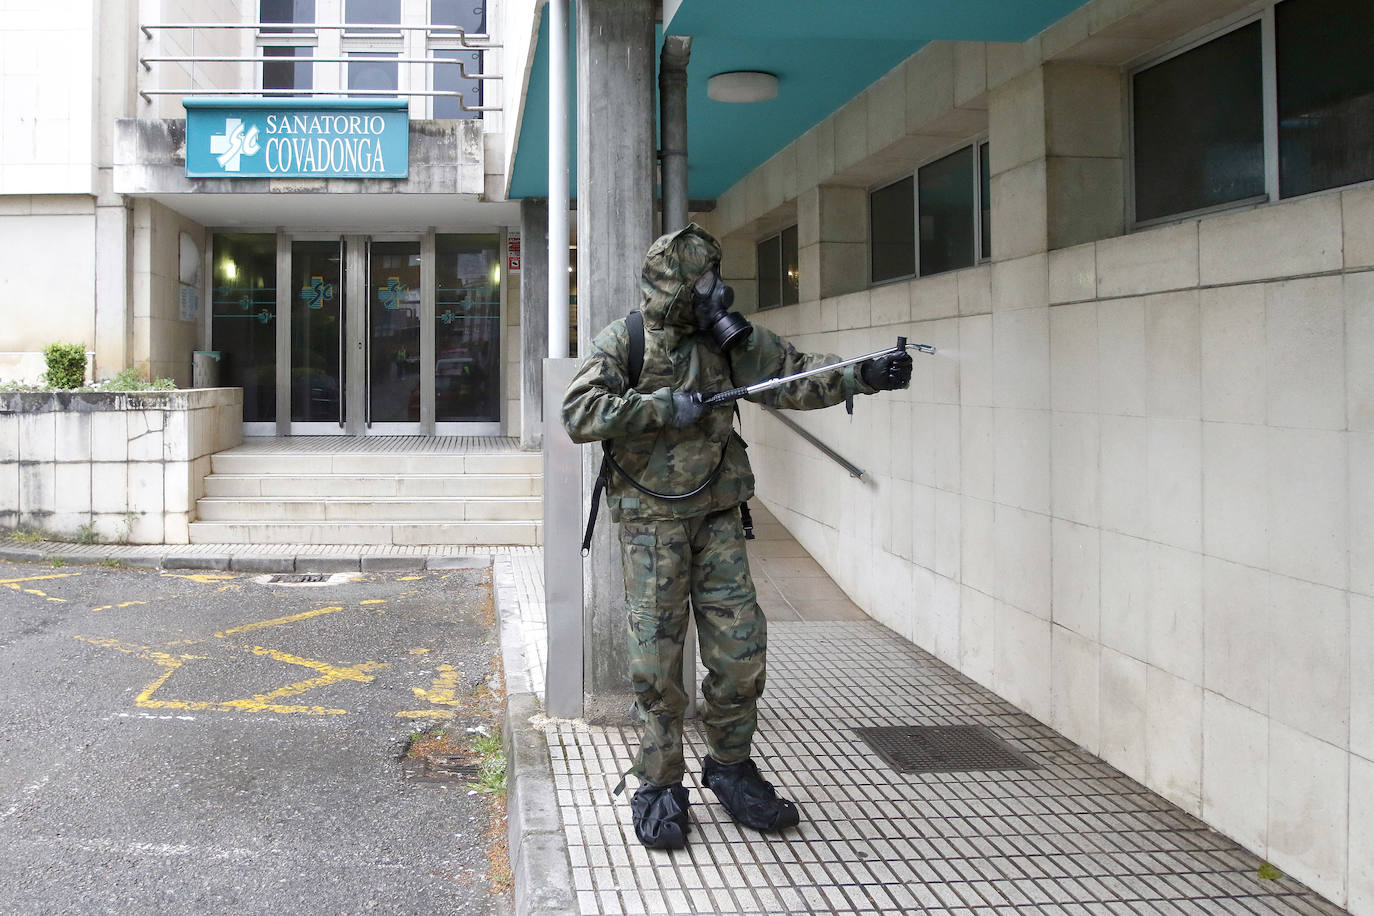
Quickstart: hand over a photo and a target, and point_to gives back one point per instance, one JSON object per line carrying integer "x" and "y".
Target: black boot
{"x": 660, "y": 816}
{"x": 748, "y": 797}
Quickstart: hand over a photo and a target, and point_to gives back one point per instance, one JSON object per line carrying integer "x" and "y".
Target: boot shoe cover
{"x": 660, "y": 816}
{"x": 748, "y": 797}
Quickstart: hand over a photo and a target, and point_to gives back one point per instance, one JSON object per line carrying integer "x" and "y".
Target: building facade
{"x": 309, "y": 191}
{"x": 1129, "y": 492}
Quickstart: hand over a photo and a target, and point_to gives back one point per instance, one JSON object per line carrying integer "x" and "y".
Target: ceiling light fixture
{"x": 742, "y": 86}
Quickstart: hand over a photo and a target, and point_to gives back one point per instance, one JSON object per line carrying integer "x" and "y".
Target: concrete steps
{"x": 401, "y": 533}
{"x": 379, "y": 498}
{"x": 415, "y": 486}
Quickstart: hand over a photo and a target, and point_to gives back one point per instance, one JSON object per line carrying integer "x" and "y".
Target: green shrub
{"x": 66, "y": 365}
{"x": 131, "y": 380}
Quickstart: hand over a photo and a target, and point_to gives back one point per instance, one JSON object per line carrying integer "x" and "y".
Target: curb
{"x": 252, "y": 563}
{"x": 541, "y": 869}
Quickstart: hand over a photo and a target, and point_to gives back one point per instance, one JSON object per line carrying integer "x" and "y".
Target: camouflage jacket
{"x": 600, "y": 404}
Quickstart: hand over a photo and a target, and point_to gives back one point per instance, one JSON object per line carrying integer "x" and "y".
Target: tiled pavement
{"x": 1072, "y": 835}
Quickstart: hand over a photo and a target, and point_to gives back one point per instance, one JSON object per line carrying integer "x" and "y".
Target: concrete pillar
{"x": 140, "y": 311}
{"x": 1057, "y": 148}
{"x": 615, "y": 187}
{"x": 832, "y": 241}
{"x": 113, "y": 342}
{"x": 559, "y": 196}
{"x": 116, "y": 52}
{"x": 534, "y": 317}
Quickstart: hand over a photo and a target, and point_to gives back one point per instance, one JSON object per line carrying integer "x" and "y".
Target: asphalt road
{"x": 183, "y": 742}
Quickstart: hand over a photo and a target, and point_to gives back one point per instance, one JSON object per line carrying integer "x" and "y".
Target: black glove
{"x": 887, "y": 373}
{"x": 687, "y": 408}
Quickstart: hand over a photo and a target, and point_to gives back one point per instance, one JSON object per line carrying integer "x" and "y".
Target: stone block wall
{"x": 1130, "y": 491}
{"x": 129, "y": 465}
{"x": 1133, "y": 502}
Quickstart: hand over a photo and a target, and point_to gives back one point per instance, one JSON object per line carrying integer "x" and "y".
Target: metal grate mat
{"x": 941, "y": 748}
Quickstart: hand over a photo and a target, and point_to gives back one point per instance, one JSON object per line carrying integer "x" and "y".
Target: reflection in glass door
{"x": 358, "y": 336}
{"x": 244, "y": 319}
{"x": 317, "y": 328}
{"x": 393, "y": 318}
{"x": 467, "y": 328}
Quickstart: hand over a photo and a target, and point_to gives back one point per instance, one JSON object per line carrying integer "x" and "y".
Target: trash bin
{"x": 205, "y": 368}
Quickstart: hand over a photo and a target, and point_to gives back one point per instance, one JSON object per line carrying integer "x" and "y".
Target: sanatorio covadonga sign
{"x": 301, "y": 138}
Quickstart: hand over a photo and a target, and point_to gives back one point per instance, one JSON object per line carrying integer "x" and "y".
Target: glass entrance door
{"x": 351, "y": 335}
{"x": 318, "y": 324}
{"x": 467, "y": 330}
{"x": 394, "y": 356}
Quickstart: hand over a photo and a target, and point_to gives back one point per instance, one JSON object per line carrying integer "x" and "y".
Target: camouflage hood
{"x": 673, "y": 264}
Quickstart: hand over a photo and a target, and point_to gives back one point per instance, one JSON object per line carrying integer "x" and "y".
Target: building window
{"x": 946, "y": 201}
{"x": 936, "y": 221}
{"x": 1199, "y": 130}
{"x": 447, "y": 45}
{"x": 285, "y": 42}
{"x": 372, "y": 12}
{"x": 279, "y": 78}
{"x": 892, "y": 231}
{"x": 1325, "y": 94}
{"x": 1204, "y": 135}
{"x": 293, "y": 11}
{"x": 984, "y": 202}
{"x": 373, "y": 73}
{"x": 778, "y": 269}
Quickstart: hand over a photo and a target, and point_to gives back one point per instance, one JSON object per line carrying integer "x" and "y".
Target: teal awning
{"x": 822, "y": 53}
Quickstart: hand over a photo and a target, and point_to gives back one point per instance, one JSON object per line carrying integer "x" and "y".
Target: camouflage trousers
{"x": 673, "y": 569}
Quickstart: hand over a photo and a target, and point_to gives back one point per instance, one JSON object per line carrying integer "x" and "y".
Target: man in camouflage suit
{"x": 685, "y": 554}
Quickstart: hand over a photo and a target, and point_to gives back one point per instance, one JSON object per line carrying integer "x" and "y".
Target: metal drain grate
{"x": 941, "y": 748}
{"x": 442, "y": 768}
{"x": 297, "y": 579}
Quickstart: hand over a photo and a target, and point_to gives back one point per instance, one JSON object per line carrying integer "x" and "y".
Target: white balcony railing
{"x": 424, "y": 62}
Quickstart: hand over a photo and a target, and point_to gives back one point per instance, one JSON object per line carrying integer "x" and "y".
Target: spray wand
{"x": 734, "y": 394}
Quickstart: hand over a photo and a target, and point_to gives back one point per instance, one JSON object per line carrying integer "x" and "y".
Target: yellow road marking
{"x": 14, "y": 585}
{"x": 373, "y": 601}
{"x": 410, "y": 578}
{"x": 97, "y": 610}
{"x": 352, "y": 673}
{"x": 421, "y": 651}
{"x": 277, "y": 621}
{"x": 330, "y": 674}
{"x": 441, "y": 693}
{"x": 207, "y": 578}
{"x": 36, "y": 578}
{"x": 128, "y": 648}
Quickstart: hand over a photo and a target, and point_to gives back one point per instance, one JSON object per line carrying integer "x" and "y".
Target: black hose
{"x": 710, "y": 479}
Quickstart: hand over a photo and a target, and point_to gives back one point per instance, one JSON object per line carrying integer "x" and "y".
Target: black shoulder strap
{"x": 634, "y": 322}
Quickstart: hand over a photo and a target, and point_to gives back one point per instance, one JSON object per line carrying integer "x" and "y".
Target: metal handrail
{"x": 246, "y": 59}
{"x": 288, "y": 93}
{"x": 287, "y": 28}
{"x": 829, "y": 452}
{"x": 285, "y": 31}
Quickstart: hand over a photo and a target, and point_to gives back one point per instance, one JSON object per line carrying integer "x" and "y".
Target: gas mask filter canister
{"x": 711, "y": 301}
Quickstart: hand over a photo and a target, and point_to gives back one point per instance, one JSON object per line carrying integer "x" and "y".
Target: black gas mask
{"x": 711, "y": 301}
